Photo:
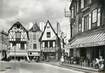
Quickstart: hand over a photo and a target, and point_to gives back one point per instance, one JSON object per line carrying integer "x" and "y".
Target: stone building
{"x": 34, "y": 44}
{"x": 87, "y": 29}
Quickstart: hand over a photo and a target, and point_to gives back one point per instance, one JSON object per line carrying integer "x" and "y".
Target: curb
{"x": 83, "y": 69}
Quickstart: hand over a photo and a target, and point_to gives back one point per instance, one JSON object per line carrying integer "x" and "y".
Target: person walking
{"x": 62, "y": 59}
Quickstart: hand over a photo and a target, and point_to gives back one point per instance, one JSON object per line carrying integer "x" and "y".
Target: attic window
{"x": 48, "y": 26}
{"x": 48, "y": 34}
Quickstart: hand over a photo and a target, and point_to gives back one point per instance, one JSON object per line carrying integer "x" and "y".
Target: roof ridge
{"x": 35, "y": 27}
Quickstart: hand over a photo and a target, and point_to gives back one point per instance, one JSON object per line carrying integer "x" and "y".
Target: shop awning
{"x": 89, "y": 41}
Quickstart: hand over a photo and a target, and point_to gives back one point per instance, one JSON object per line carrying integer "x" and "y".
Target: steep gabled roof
{"x": 48, "y": 22}
{"x": 35, "y": 28}
{"x": 19, "y": 24}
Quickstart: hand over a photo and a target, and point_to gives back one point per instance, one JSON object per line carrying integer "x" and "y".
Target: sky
{"x": 31, "y": 11}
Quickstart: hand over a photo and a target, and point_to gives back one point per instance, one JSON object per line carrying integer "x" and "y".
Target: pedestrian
{"x": 62, "y": 59}
{"x": 101, "y": 66}
{"x": 97, "y": 63}
{"x": 101, "y": 59}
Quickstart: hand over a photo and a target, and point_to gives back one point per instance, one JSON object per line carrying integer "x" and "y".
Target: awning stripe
{"x": 88, "y": 41}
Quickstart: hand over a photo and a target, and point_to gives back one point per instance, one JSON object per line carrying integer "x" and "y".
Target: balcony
{"x": 52, "y": 49}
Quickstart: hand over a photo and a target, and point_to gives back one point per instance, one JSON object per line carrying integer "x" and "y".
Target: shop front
{"x": 88, "y": 48}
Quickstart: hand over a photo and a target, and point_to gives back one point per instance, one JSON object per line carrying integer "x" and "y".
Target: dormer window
{"x": 48, "y": 26}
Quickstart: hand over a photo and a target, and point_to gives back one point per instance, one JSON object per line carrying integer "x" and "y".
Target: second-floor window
{"x": 94, "y": 18}
{"x": 72, "y": 12}
{"x": 85, "y": 3}
{"x": 82, "y": 3}
{"x": 48, "y": 34}
{"x": 51, "y": 43}
{"x": 34, "y": 46}
{"x": 86, "y": 22}
{"x": 46, "y": 44}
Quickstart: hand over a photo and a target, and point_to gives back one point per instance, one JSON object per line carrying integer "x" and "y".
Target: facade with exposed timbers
{"x": 50, "y": 43}
{"x": 18, "y": 42}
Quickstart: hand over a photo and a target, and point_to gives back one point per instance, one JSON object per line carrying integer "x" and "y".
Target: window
{"x": 34, "y": 46}
{"x": 94, "y": 18}
{"x": 18, "y": 35}
{"x": 46, "y": 44}
{"x": 85, "y": 3}
{"x": 48, "y": 34}
{"x": 51, "y": 43}
{"x": 22, "y": 46}
{"x": 34, "y": 36}
{"x": 77, "y": 6}
{"x": 79, "y": 27}
{"x": 82, "y": 3}
{"x": 72, "y": 11}
{"x": 86, "y": 22}
{"x": 79, "y": 24}
{"x": 99, "y": 17}
{"x": 48, "y": 26}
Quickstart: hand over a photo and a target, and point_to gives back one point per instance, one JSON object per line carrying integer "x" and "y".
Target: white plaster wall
{"x": 53, "y": 36}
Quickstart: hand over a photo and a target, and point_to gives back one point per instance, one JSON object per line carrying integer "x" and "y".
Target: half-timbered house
{"x": 18, "y": 37}
{"x": 50, "y": 43}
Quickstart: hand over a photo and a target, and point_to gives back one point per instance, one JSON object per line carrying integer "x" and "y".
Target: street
{"x": 25, "y": 67}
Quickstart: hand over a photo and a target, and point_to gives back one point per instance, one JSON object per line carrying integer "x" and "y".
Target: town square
{"x": 52, "y": 36}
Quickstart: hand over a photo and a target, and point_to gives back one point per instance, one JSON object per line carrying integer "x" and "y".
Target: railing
{"x": 49, "y": 49}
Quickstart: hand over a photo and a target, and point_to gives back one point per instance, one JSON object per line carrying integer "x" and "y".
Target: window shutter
{"x": 89, "y": 21}
{"x": 43, "y": 44}
{"x": 83, "y": 24}
{"x": 99, "y": 15}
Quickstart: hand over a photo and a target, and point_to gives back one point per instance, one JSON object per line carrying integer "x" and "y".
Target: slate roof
{"x": 35, "y": 28}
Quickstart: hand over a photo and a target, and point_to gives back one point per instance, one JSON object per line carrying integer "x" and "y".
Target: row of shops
{"x": 85, "y": 48}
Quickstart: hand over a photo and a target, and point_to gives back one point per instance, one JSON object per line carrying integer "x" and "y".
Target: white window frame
{"x": 94, "y": 16}
{"x": 82, "y": 4}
